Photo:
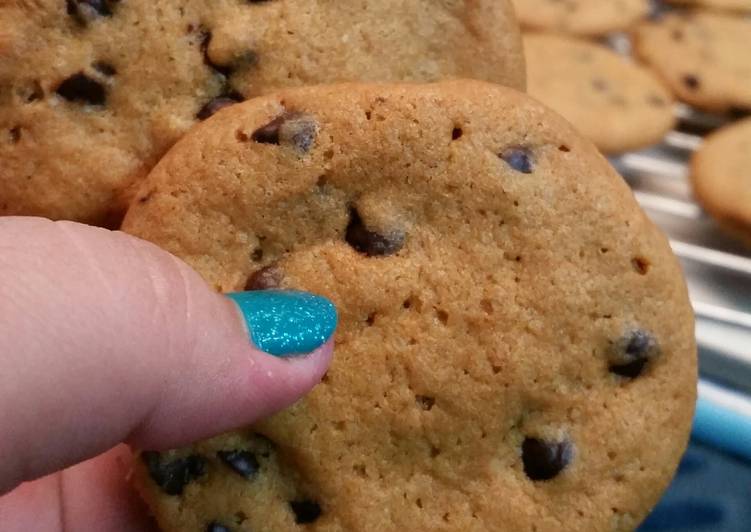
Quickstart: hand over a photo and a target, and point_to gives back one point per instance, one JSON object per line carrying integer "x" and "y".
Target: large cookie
{"x": 515, "y": 349}
{"x": 619, "y": 105}
{"x": 93, "y": 92}
{"x": 721, "y": 176}
{"x": 580, "y": 17}
{"x": 702, "y": 56}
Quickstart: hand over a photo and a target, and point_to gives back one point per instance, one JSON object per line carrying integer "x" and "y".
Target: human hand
{"x": 104, "y": 339}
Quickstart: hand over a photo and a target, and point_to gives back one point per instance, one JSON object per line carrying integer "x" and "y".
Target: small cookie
{"x": 93, "y": 92}
{"x": 702, "y": 56}
{"x": 731, "y": 5}
{"x": 580, "y": 17}
{"x": 721, "y": 176}
{"x": 617, "y": 104}
{"x": 515, "y": 349}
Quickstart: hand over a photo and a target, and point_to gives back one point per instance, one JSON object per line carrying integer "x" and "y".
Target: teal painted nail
{"x": 284, "y": 323}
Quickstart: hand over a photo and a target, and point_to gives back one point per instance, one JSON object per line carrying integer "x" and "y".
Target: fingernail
{"x": 284, "y": 323}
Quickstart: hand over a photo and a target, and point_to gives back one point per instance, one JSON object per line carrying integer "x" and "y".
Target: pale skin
{"x": 108, "y": 341}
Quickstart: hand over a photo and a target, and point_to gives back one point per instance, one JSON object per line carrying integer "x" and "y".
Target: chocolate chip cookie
{"x": 516, "y": 346}
{"x": 721, "y": 176}
{"x": 580, "y": 17}
{"x": 93, "y": 92}
{"x": 619, "y": 105}
{"x": 702, "y": 56}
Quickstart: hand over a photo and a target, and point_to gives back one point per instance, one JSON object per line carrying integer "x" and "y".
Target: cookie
{"x": 732, "y": 5}
{"x": 515, "y": 349}
{"x": 580, "y": 17}
{"x": 619, "y": 105}
{"x": 93, "y": 92}
{"x": 701, "y": 56}
{"x": 721, "y": 176}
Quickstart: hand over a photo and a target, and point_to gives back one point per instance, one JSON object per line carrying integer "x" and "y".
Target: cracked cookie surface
{"x": 515, "y": 349}
{"x": 93, "y": 92}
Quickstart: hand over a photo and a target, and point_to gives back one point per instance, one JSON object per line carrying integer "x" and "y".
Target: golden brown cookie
{"x": 515, "y": 349}
{"x": 703, "y": 57}
{"x": 617, "y": 104}
{"x": 93, "y": 92}
{"x": 580, "y": 17}
{"x": 721, "y": 176}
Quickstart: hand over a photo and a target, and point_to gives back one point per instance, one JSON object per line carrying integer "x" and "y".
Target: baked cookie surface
{"x": 580, "y": 17}
{"x": 721, "y": 176}
{"x": 617, "y": 104}
{"x": 703, "y": 57}
{"x": 515, "y": 349}
{"x": 93, "y": 92}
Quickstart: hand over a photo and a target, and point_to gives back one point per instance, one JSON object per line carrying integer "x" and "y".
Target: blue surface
{"x": 286, "y": 322}
{"x": 710, "y": 493}
{"x": 722, "y": 428}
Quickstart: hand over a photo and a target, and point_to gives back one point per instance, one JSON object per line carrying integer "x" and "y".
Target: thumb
{"x": 106, "y": 338}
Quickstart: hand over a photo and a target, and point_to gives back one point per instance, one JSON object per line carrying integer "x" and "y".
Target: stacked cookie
{"x": 616, "y": 103}
{"x": 696, "y": 56}
{"x": 93, "y": 92}
{"x": 701, "y": 56}
{"x": 505, "y": 307}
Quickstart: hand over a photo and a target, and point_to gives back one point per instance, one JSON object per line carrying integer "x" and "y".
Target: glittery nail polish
{"x": 286, "y": 323}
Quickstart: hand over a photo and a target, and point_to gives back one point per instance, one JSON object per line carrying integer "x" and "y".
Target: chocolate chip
{"x": 265, "y": 278}
{"x": 15, "y": 134}
{"x": 81, "y": 10}
{"x": 738, "y": 112}
{"x": 241, "y": 60}
{"x": 629, "y": 355}
{"x": 266, "y": 445}
{"x": 217, "y": 527}
{"x": 172, "y": 476}
{"x": 544, "y": 460}
{"x": 81, "y": 88}
{"x": 306, "y": 511}
{"x": 519, "y": 159}
{"x": 220, "y": 102}
{"x": 425, "y": 402}
{"x": 206, "y": 36}
{"x": 300, "y": 131}
{"x": 104, "y": 68}
{"x": 369, "y": 242}
{"x": 296, "y": 129}
{"x": 268, "y": 134}
{"x": 243, "y": 462}
{"x": 691, "y": 81}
